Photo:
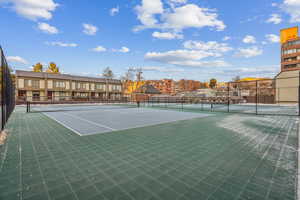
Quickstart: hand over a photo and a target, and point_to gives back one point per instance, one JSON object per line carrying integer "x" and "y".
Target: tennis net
{"x": 46, "y": 107}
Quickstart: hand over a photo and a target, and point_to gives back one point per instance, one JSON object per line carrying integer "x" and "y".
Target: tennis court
{"x": 216, "y": 157}
{"x": 88, "y": 119}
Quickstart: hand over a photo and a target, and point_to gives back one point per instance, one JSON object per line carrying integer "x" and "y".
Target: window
{"x": 290, "y": 51}
{"x": 27, "y": 83}
{"x": 291, "y": 66}
{"x": 60, "y": 84}
{"x": 32, "y": 83}
{"x": 81, "y": 86}
{"x": 35, "y": 83}
{"x": 115, "y": 87}
{"x": 290, "y": 59}
{"x": 100, "y": 87}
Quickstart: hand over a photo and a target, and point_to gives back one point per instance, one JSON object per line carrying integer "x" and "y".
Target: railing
{"x": 7, "y": 96}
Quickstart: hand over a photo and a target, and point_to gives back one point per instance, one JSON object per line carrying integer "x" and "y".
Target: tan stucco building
{"x": 287, "y": 86}
{"x": 42, "y": 86}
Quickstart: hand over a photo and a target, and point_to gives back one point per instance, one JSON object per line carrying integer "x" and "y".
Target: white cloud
{"x": 99, "y": 49}
{"x": 162, "y": 69}
{"x": 249, "y": 52}
{"x": 249, "y": 39}
{"x": 226, "y": 38}
{"x": 272, "y": 38}
{"x": 62, "y": 44}
{"x": 122, "y": 50}
{"x": 211, "y": 46}
{"x": 177, "y": 18}
{"x": 114, "y": 11}
{"x": 33, "y": 9}
{"x": 174, "y": 3}
{"x": 275, "y": 19}
{"x": 191, "y": 58}
{"x": 167, "y": 35}
{"x": 178, "y": 1}
{"x": 89, "y": 29}
{"x": 193, "y": 54}
{"x": 46, "y": 28}
{"x": 147, "y": 11}
{"x": 192, "y": 16}
{"x": 292, "y": 7}
{"x": 16, "y": 59}
{"x": 259, "y": 71}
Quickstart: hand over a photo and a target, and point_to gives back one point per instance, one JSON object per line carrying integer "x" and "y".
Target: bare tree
{"x": 128, "y": 75}
{"x": 108, "y": 73}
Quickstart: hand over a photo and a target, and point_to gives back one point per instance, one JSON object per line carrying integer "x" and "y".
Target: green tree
{"x": 37, "y": 67}
{"x": 107, "y": 73}
{"x": 213, "y": 83}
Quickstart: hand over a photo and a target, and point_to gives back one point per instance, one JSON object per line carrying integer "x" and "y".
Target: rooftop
{"x": 20, "y": 73}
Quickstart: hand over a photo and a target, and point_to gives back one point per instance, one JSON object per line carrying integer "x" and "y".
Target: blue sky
{"x": 190, "y": 39}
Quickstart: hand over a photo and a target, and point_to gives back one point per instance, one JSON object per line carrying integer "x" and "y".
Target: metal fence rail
{"x": 279, "y": 96}
{"x": 7, "y": 96}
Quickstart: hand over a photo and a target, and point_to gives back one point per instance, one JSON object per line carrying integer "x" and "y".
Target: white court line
{"x": 63, "y": 124}
{"x": 88, "y": 121}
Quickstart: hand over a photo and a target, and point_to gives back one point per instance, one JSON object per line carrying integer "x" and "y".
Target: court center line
{"x": 91, "y": 122}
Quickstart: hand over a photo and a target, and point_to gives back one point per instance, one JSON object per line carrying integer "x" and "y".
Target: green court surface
{"x": 223, "y": 156}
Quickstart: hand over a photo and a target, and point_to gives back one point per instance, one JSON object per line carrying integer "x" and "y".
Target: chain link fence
{"x": 278, "y": 96}
{"x": 7, "y": 94}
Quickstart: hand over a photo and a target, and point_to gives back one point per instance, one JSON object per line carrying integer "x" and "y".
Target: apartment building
{"x": 290, "y": 55}
{"x": 165, "y": 86}
{"x": 42, "y": 86}
{"x": 287, "y": 81}
{"x": 187, "y": 85}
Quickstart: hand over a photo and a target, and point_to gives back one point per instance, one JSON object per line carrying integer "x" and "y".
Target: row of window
{"x": 292, "y": 66}
{"x": 78, "y": 85}
{"x": 291, "y": 43}
{"x": 290, "y": 51}
{"x": 291, "y": 59}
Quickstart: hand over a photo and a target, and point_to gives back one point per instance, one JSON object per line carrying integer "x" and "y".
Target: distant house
{"x": 144, "y": 92}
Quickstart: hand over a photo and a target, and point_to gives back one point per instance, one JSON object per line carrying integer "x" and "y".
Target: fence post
{"x": 2, "y": 91}
{"x": 299, "y": 95}
{"x": 181, "y": 103}
{"x": 256, "y": 102}
{"x": 228, "y": 96}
